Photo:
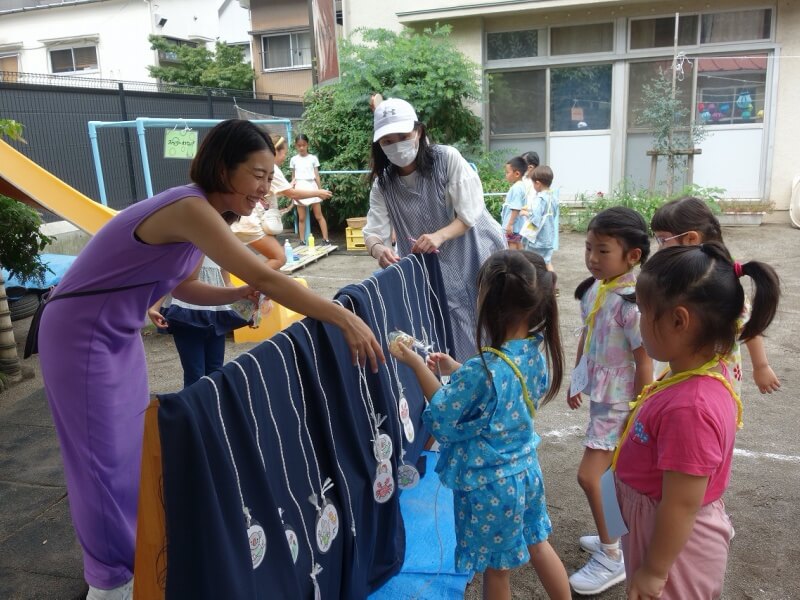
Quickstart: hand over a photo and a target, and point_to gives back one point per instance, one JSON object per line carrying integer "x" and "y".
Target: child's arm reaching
{"x": 574, "y": 402}
{"x": 155, "y": 314}
{"x": 763, "y": 375}
{"x": 427, "y": 380}
{"x": 682, "y": 496}
{"x": 644, "y": 370}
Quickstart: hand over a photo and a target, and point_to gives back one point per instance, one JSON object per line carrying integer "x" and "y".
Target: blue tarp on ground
{"x": 57, "y": 265}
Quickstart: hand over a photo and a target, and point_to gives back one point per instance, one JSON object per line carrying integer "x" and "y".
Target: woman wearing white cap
{"x": 433, "y": 200}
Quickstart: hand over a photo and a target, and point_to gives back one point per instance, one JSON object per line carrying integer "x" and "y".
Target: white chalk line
{"x": 576, "y": 430}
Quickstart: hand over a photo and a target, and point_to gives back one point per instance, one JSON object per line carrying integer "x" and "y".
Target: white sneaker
{"x": 590, "y": 543}
{"x": 599, "y": 574}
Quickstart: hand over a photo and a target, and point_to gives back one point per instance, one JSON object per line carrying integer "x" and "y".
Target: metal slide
{"x": 24, "y": 180}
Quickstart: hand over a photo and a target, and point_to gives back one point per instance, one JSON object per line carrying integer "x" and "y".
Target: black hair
{"x": 625, "y": 225}
{"x": 301, "y": 137}
{"x": 543, "y": 174}
{"x": 531, "y": 159}
{"x": 515, "y": 286}
{"x": 226, "y": 145}
{"x": 705, "y": 280}
{"x": 382, "y": 168}
{"x": 517, "y": 164}
{"x": 687, "y": 214}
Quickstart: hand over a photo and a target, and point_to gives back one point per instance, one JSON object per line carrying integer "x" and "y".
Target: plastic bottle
{"x": 310, "y": 242}
{"x": 287, "y": 250}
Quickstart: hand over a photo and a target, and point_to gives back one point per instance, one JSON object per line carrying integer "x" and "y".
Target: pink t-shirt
{"x": 689, "y": 427}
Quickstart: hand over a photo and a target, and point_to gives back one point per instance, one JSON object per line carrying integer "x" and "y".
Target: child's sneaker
{"x": 599, "y": 574}
{"x": 590, "y": 543}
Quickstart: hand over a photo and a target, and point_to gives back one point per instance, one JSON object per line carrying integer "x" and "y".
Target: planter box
{"x": 741, "y": 219}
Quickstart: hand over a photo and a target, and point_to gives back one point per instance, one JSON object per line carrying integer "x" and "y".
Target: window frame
{"x": 293, "y": 34}
{"x": 72, "y": 48}
{"x": 542, "y": 43}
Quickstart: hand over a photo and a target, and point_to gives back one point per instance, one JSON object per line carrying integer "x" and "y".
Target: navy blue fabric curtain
{"x": 207, "y": 547}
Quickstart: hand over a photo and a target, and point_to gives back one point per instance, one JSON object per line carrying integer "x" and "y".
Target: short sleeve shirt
{"x": 515, "y": 200}
{"x": 689, "y": 427}
{"x": 303, "y": 166}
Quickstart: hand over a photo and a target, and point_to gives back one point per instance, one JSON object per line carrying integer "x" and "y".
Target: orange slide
{"x": 24, "y": 180}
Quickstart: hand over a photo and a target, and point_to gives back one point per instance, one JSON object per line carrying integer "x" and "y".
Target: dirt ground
{"x": 764, "y": 494}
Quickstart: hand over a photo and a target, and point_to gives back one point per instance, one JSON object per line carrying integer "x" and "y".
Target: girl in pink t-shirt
{"x": 674, "y": 459}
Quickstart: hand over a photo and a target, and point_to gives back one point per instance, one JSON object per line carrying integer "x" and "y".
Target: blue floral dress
{"x": 488, "y": 456}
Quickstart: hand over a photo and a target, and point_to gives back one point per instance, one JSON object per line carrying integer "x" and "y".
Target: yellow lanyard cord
{"x": 510, "y": 363}
{"x": 657, "y": 386}
{"x": 602, "y": 292}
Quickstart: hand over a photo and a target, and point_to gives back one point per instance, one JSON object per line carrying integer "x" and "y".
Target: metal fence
{"x": 55, "y": 117}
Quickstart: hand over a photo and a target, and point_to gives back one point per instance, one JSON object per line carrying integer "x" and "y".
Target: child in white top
{"x": 305, "y": 176}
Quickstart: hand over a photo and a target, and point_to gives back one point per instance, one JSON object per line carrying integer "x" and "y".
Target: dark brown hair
{"x": 531, "y": 158}
{"x": 704, "y": 279}
{"x": 515, "y": 286}
{"x": 687, "y": 214}
{"x": 626, "y": 226}
{"x": 517, "y": 164}
{"x": 543, "y": 174}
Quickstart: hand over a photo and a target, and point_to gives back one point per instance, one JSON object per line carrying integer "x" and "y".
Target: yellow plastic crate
{"x": 276, "y": 320}
{"x": 355, "y": 239}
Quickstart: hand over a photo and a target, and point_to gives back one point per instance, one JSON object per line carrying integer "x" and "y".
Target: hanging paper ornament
{"x": 705, "y": 116}
{"x": 725, "y": 109}
{"x": 750, "y": 107}
{"x": 712, "y": 108}
{"x": 746, "y": 114}
{"x": 744, "y": 99}
{"x": 700, "y": 107}
{"x": 716, "y": 116}
{"x": 760, "y": 114}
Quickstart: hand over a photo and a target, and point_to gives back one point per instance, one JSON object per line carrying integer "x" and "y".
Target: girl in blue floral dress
{"x": 483, "y": 421}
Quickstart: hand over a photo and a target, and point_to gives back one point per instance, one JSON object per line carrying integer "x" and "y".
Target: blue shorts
{"x": 545, "y": 253}
{"x": 496, "y": 523}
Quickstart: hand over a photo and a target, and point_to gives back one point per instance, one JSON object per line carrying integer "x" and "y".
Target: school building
{"x": 564, "y": 78}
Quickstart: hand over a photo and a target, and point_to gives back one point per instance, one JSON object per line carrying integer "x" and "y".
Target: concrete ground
{"x": 40, "y": 558}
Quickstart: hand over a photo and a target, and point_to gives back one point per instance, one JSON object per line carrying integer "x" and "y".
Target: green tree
{"x": 20, "y": 244}
{"x": 198, "y": 66}
{"x": 424, "y": 68}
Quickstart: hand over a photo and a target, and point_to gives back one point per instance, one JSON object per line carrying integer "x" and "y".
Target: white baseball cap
{"x": 393, "y": 115}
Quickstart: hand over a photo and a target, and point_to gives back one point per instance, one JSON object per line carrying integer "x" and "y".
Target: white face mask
{"x": 402, "y": 153}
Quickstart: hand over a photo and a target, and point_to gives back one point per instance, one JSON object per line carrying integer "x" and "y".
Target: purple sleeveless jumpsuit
{"x": 95, "y": 375}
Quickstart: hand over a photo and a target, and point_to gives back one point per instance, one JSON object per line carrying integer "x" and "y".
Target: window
{"x": 731, "y": 90}
{"x": 660, "y": 32}
{"x": 517, "y": 102}
{"x": 9, "y": 66}
{"x": 170, "y": 57}
{"x": 580, "y": 39}
{"x": 736, "y": 26}
{"x": 512, "y": 44}
{"x": 643, "y": 73}
{"x": 580, "y": 98}
{"x": 71, "y": 60}
{"x": 285, "y": 51}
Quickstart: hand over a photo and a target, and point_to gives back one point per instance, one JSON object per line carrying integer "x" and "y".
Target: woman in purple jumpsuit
{"x": 91, "y": 351}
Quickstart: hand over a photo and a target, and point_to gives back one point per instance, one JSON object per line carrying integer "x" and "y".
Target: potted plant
{"x": 743, "y": 213}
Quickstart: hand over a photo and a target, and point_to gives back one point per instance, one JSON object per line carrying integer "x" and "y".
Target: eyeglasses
{"x": 662, "y": 240}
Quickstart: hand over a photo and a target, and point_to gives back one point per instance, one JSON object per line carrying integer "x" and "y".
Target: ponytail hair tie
{"x": 738, "y": 269}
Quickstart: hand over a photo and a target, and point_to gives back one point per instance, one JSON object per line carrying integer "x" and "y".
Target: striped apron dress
{"x": 421, "y": 209}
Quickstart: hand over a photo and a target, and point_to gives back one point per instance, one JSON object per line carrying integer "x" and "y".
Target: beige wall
{"x": 276, "y": 15}
{"x": 785, "y": 165}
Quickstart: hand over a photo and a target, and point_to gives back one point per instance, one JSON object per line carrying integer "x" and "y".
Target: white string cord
{"x": 442, "y": 347}
{"x": 245, "y": 510}
{"x": 296, "y": 414}
{"x": 430, "y": 580}
{"x": 252, "y": 413}
{"x": 328, "y": 483}
{"x": 283, "y": 464}
{"x": 428, "y": 313}
{"x": 425, "y": 339}
{"x": 406, "y": 298}
{"x": 330, "y": 429}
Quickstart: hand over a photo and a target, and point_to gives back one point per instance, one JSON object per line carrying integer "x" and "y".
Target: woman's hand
{"x": 385, "y": 255}
{"x": 157, "y": 318}
{"x": 646, "y": 585}
{"x": 428, "y": 242}
{"x": 374, "y": 101}
{"x": 361, "y": 340}
{"x": 575, "y": 401}
{"x": 246, "y": 292}
{"x": 324, "y": 194}
{"x": 442, "y": 364}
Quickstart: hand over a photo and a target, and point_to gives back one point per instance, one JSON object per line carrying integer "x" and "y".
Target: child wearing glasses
{"x": 689, "y": 221}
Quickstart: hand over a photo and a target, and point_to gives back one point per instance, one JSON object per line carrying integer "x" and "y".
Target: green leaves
{"x": 198, "y": 66}
{"x": 424, "y": 68}
{"x": 20, "y": 240}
